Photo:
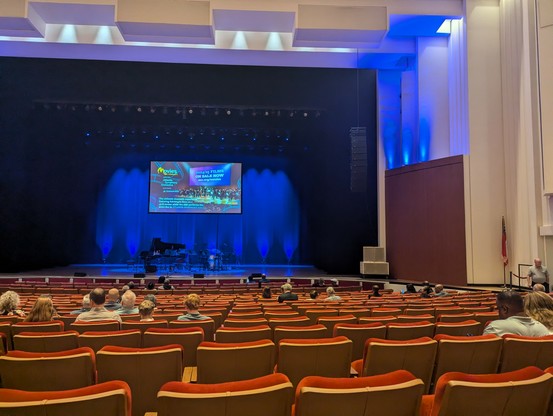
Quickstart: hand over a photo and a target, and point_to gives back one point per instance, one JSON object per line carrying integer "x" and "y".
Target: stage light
{"x": 266, "y": 113}
{"x": 229, "y": 112}
{"x": 305, "y": 114}
{"x": 100, "y": 108}
{"x": 291, "y": 114}
{"x": 139, "y": 109}
{"x": 177, "y": 111}
{"x": 222, "y": 138}
{"x": 190, "y": 111}
{"x": 113, "y": 109}
{"x": 152, "y": 110}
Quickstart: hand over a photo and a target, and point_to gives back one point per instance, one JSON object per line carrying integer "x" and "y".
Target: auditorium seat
{"x": 46, "y": 341}
{"x": 380, "y": 319}
{"x": 50, "y": 326}
{"x": 456, "y": 317}
{"x": 272, "y": 313}
{"x": 223, "y": 362}
{"x": 103, "y": 325}
{"x": 245, "y": 315}
{"x": 299, "y": 332}
{"x": 393, "y": 394}
{"x": 357, "y": 312}
{"x": 382, "y": 312}
{"x": 467, "y": 354}
{"x": 217, "y": 319}
{"x": 207, "y": 325}
{"x": 405, "y": 319}
{"x": 418, "y": 311}
{"x": 315, "y": 314}
{"x": 35, "y": 371}
{"x": 144, "y": 369}
{"x": 359, "y": 334}
{"x": 519, "y": 352}
{"x": 328, "y": 357}
{"x": 330, "y": 321}
{"x": 522, "y": 392}
{"x": 189, "y": 338}
{"x": 112, "y": 399}
{"x": 294, "y": 321}
{"x": 131, "y": 338}
{"x": 270, "y": 395}
{"x": 411, "y": 330}
{"x": 243, "y": 322}
{"x": 383, "y": 356}
{"x": 463, "y": 328}
{"x": 243, "y": 334}
{"x": 6, "y": 330}
{"x": 144, "y": 325}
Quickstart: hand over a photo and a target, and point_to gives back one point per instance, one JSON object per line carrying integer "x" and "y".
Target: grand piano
{"x": 163, "y": 254}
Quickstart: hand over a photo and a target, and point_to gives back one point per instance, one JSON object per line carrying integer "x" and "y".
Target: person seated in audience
{"x": 538, "y": 287}
{"x": 376, "y": 292}
{"x": 266, "y": 294}
{"x": 167, "y": 285}
{"x": 151, "y": 286}
{"x": 112, "y": 301}
{"x": 152, "y": 298}
{"x": 331, "y": 295}
{"x": 146, "y": 310}
{"x": 439, "y": 291}
{"x": 334, "y": 282}
{"x": 539, "y": 306}
{"x": 131, "y": 285}
{"x": 85, "y": 307}
{"x": 410, "y": 288}
{"x": 97, "y": 310}
{"x": 42, "y": 311}
{"x": 286, "y": 294}
{"x": 426, "y": 292}
{"x": 319, "y": 282}
{"x": 9, "y": 304}
{"x": 513, "y": 319}
{"x": 313, "y": 295}
{"x": 127, "y": 303}
{"x": 192, "y": 304}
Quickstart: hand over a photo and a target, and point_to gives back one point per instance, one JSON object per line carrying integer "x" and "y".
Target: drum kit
{"x": 202, "y": 258}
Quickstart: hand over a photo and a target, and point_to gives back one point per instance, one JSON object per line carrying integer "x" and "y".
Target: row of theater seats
{"x": 146, "y": 369}
{"x": 523, "y": 392}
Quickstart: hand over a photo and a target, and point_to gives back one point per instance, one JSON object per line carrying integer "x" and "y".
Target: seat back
{"x": 113, "y": 398}
{"x": 189, "y": 338}
{"x": 243, "y": 334}
{"x": 315, "y": 314}
{"x": 394, "y": 394}
{"x": 46, "y": 341}
{"x": 455, "y": 317}
{"x": 359, "y": 334}
{"x": 299, "y": 332}
{"x": 96, "y": 340}
{"x": 207, "y": 325}
{"x": 143, "y": 325}
{"x": 416, "y": 356}
{"x": 463, "y": 328}
{"x": 467, "y": 354}
{"x": 405, "y": 319}
{"x": 519, "y": 352}
{"x": 144, "y": 369}
{"x": 327, "y": 357}
{"x": 269, "y": 395}
{"x": 48, "y": 371}
{"x": 219, "y": 363}
{"x": 330, "y": 321}
{"x": 242, "y": 323}
{"x": 405, "y": 331}
{"x": 294, "y": 321}
{"x": 50, "y": 326}
{"x": 103, "y": 325}
{"x": 523, "y": 392}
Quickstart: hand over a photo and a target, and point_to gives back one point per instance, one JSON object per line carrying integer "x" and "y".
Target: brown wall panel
{"x": 425, "y": 222}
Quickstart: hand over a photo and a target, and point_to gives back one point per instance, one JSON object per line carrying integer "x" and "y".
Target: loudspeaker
{"x": 79, "y": 274}
{"x": 151, "y": 269}
{"x": 139, "y": 275}
{"x": 199, "y": 275}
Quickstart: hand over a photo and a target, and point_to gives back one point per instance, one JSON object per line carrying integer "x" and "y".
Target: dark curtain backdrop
{"x": 70, "y": 198}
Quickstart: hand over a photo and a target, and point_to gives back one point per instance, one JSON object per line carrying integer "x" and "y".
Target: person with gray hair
{"x": 97, "y": 311}
{"x": 85, "y": 307}
{"x": 538, "y": 274}
{"x": 9, "y": 304}
{"x": 286, "y": 294}
{"x": 112, "y": 300}
{"x": 127, "y": 304}
{"x": 538, "y": 287}
{"x": 513, "y": 318}
{"x": 331, "y": 295}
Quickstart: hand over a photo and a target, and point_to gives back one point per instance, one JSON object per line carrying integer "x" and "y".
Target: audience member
{"x": 334, "y": 282}
{"x": 410, "y": 288}
{"x": 146, "y": 310}
{"x": 538, "y": 274}
{"x": 426, "y": 292}
{"x": 286, "y": 294}
{"x": 124, "y": 289}
{"x": 539, "y": 306}
{"x": 513, "y": 319}
{"x": 151, "y": 286}
{"x": 266, "y": 294}
{"x": 9, "y": 304}
{"x": 313, "y": 295}
{"x": 112, "y": 300}
{"x": 127, "y": 303}
{"x": 439, "y": 290}
{"x": 538, "y": 287}
{"x": 331, "y": 295}
{"x": 167, "y": 285}
{"x": 97, "y": 310}
{"x": 85, "y": 307}
{"x": 151, "y": 297}
{"x": 192, "y": 304}
{"x": 376, "y": 292}
{"x": 131, "y": 285}
{"x": 320, "y": 282}
{"x": 42, "y": 311}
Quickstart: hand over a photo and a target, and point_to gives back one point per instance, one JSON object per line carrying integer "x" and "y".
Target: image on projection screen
{"x": 195, "y": 188}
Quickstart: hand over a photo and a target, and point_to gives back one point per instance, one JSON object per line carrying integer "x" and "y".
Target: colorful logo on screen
{"x": 167, "y": 172}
